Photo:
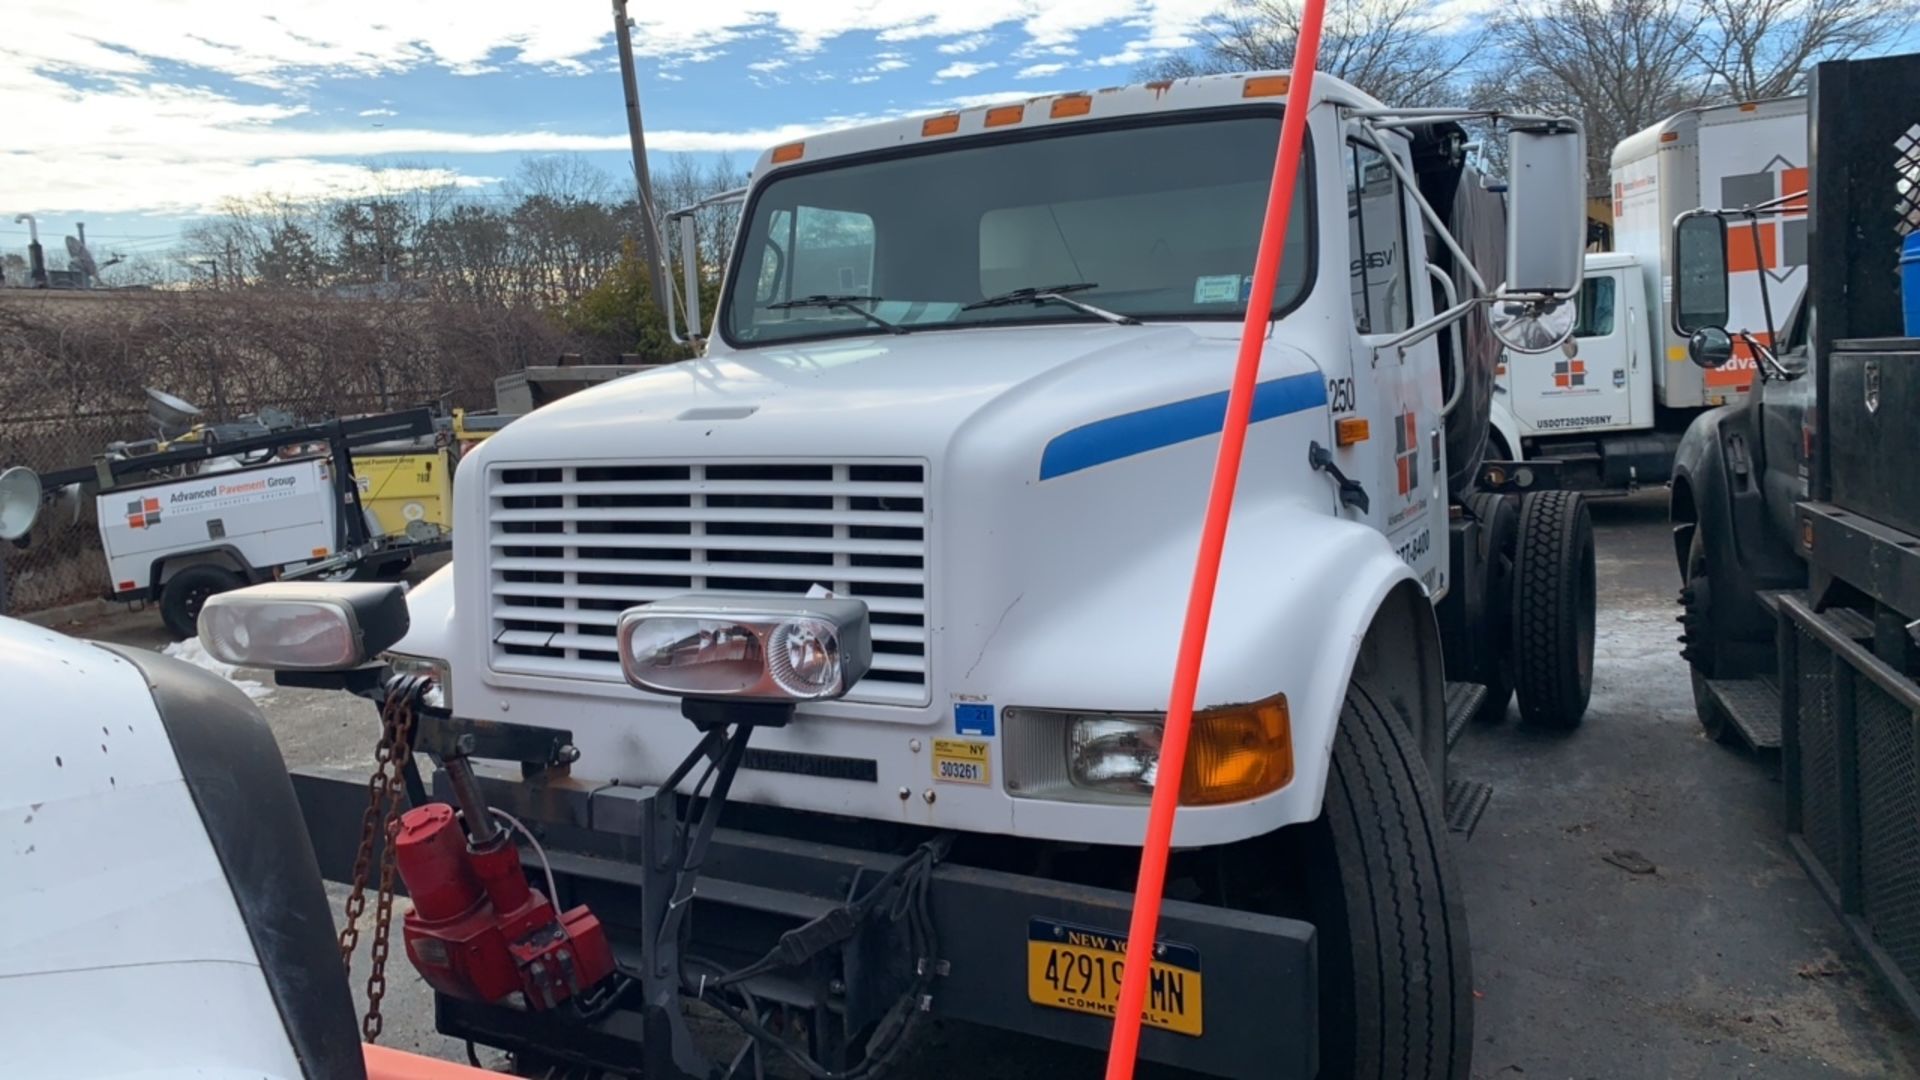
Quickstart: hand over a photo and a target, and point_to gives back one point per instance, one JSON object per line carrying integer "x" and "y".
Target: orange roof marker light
{"x": 1669, "y": 136}
{"x": 1071, "y": 105}
{"x": 940, "y": 125}
{"x": 1006, "y": 114}
{"x": 1266, "y": 86}
{"x": 790, "y": 152}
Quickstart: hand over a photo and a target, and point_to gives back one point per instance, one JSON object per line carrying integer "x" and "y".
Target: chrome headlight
{"x": 440, "y": 696}
{"x": 1233, "y": 754}
{"x": 768, "y": 648}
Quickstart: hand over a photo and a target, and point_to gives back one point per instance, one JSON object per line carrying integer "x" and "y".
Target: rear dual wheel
{"x": 1554, "y": 600}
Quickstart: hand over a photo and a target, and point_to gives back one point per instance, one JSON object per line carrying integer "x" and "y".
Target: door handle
{"x": 1351, "y": 493}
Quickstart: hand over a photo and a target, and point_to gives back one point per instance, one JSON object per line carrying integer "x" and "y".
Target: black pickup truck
{"x": 1797, "y": 514}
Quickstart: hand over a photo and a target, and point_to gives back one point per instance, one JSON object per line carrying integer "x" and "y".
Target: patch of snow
{"x": 196, "y": 654}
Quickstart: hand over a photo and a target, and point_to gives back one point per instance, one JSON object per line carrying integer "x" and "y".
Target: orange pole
{"x": 1125, "y": 1047}
{"x": 384, "y": 1063}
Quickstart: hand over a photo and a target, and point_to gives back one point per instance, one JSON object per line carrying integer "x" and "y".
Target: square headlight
{"x": 769, "y": 648}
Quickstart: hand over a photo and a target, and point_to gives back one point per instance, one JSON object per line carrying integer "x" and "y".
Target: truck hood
{"x": 886, "y": 395}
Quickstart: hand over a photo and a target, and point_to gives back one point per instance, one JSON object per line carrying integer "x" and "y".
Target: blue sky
{"x": 139, "y": 119}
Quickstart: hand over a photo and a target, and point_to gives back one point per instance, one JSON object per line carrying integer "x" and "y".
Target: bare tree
{"x": 1615, "y": 65}
{"x": 1756, "y": 49}
{"x": 1392, "y": 49}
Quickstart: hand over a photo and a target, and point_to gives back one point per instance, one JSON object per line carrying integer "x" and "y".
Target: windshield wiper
{"x": 1040, "y": 294}
{"x": 840, "y": 303}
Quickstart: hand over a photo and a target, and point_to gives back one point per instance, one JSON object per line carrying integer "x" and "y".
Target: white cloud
{"x": 123, "y": 113}
{"x": 963, "y": 69}
{"x": 1003, "y": 97}
{"x": 274, "y": 44}
{"x": 962, "y": 46}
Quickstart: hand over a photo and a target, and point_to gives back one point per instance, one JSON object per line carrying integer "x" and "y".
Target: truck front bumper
{"x": 1258, "y": 1014}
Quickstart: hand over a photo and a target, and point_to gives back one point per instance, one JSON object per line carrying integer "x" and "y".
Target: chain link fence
{"x": 74, "y": 371}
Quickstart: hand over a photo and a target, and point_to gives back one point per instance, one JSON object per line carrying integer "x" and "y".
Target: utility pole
{"x": 650, "y": 247}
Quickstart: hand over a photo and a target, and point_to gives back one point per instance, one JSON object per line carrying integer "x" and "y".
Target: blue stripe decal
{"x": 1133, "y": 433}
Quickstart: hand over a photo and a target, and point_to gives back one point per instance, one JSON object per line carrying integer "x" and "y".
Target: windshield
{"x": 1152, "y": 220}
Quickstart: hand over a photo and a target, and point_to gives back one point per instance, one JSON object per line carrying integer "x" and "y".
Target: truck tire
{"x": 1553, "y": 609}
{"x": 1696, "y": 639}
{"x": 1499, "y": 525}
{"x": 186, "y": 592}
{"x": 1395, "y": 966}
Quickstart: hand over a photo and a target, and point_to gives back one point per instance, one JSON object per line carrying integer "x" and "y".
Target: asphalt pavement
{"x": 1634, "y": 908}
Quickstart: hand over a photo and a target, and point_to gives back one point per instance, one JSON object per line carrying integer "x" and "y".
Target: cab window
{"x": 1376, "y": 243}
{"x": 1596, "y": 308}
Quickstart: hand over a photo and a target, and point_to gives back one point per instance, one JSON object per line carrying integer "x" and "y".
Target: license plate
{"x": 1079, "y": 968}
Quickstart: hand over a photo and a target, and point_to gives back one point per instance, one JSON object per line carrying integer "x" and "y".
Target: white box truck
{"x": 1612, "y": 405}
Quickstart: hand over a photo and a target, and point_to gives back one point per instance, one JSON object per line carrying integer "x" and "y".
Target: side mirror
{"x": 1547, "y": 226}
{"x": 1710, "y": 347}
{"x": 1699, "y": 274}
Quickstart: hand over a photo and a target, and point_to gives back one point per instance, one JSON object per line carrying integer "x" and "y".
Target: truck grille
{"x": 574, "y": 546}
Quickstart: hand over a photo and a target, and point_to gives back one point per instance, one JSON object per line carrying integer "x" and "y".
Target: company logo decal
{"x": 143, "y": 513}
{"x": 1406, "y": 452}
{"x": 1779, "y": 245}
{"x": 1569, "y": 374}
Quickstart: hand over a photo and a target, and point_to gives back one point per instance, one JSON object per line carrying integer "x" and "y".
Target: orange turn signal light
{"x": 1265, "y": 86}
{"x": 1352, "y": 429}
{"x": 1238, "y": 753}
{"x": 1071, "y": 105}
{"x": 790, "y": 152}
{"x": 1005, "y": 114}
{"x": 940, "y": 125}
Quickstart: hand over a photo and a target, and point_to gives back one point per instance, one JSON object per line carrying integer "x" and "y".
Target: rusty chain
{"x": 385, "y": 788}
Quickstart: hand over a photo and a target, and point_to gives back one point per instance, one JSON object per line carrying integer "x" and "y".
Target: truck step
{"x": 1754, "y": 708}
{"x": 1466, "y": 802}
{"x": 1463, "y": 701}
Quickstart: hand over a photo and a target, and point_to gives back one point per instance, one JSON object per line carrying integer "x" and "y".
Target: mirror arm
{"x": 1420, "y": 332}
{"x": 1766, "y": 300}
{"x": 1427, "y": 211}
{"x": 1459, "y": 341}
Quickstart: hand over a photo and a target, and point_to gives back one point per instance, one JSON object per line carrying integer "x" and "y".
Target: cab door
{"x": 1397, "y": 391}
{"x": 1588, "y": 383}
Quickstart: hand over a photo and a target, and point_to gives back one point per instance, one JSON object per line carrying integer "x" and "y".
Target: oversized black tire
{"x": 1554, "y": 597}
{"x": 1696, "y": 620}
{"x": 186, "y": 592}
{"x": 1374, "y": 874}
{"x": 1499, "y": 525}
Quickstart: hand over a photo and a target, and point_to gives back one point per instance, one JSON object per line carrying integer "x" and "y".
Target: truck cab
{"x": 1602, "y": 378}
{"x": 946, "y": 450}
{"x": 1613, "y": 408}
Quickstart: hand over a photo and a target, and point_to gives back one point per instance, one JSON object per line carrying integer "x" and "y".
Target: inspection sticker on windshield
{"x": 1217, "y": 289}
{"x": 960, "y": 761}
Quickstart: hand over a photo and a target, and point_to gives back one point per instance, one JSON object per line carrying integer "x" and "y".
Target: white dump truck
{"x": 1611, "y": 407}
{"x": 920, "y": 524}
